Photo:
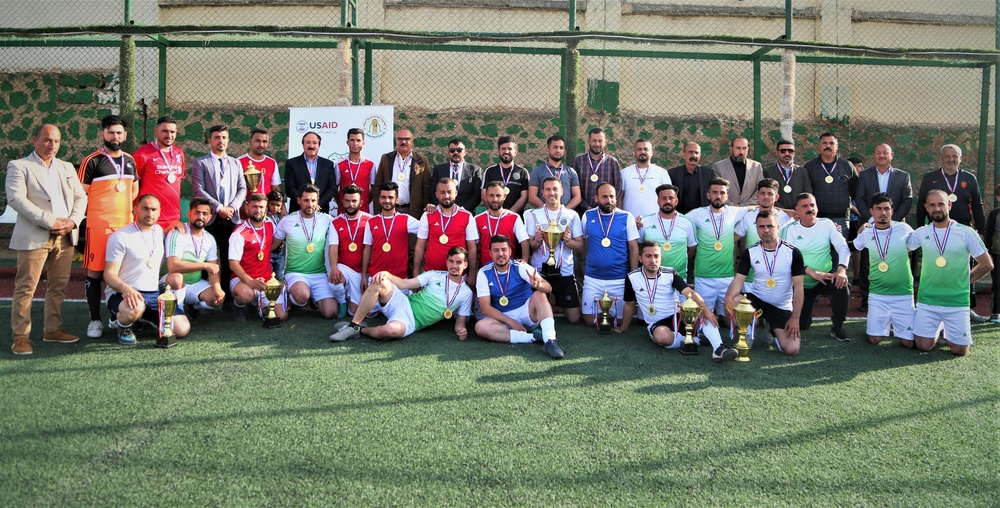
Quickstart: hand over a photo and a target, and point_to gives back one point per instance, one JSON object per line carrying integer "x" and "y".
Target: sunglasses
{"x": 456, "y": 150}
{"x": 786, "y": 150}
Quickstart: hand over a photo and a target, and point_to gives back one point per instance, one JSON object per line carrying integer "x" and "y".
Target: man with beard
{"x": 132, "y": 273}
{"x": 356, "y": 170}
{"x": 160, "y": 169}
{"x": 218, "y": 178}
{"x": 469, "y": 177}
{"x": 304, "y": 233}
{"x": 512, "y": 300}
{"x": 257, "y": 157}
{"x": 741, "y": 172}
{"x": 672, "y": 231}
{"x": 792, "y": 181}
{"x": 776, "y": 289}
{"x": 310, "y": 168}
{"x": 596, "y": 167}
{"x": 497, "y": 221}
{"x": 346, "y": 248}
{"x": 514, "y": 177}
{"x": 656, "y": 290}
{"x": 249, "y": 259}
{"x": 943, "y": 295}
{"x": 189, "y": 252}
{"x": 387, "y": 237}
{"x": 640, "y": 180}
{"x": 447, "y": 226}
{"x": 814, "y": 236}
{"x": 612, "y": 251}
{"x": 767, "y": 195}
{"x": 834, "y": 181}
{"x": 714, "y": 227}
{"x": 555, "y": 149}
{"x": 692, "y": 179}
{"x": 108, "y": 177}
{"x": 410, "y": 171}
{"x": 560, "y": 276}
{"x": 442, "y": 294}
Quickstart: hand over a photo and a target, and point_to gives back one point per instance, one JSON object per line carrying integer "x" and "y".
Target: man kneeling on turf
{"x": 443, "y": 295}
{"x": 656, "y": 290}
{"x": 512, "y": 300}
{"x": 189, "y": 252}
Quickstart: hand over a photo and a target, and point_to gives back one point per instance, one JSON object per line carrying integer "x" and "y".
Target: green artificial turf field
{"x": 239, "y": 415}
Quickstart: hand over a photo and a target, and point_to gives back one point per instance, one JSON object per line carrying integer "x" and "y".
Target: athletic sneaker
{"x": 724, "y": 354}
{"x": 345, "y": 330}
{"x": 95, "y": 329}
{"x": 552, "y": 349}
{"x": 537, "y": 336}
{"x": 840, "y": 334}
{"x": 342, "y": 310}
{"x": 125, "y": 336}
{"x": 976, "y": 318}
{"x": 995, "y": 319}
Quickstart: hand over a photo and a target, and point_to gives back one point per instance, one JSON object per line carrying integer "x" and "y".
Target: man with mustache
{"x": 595, "y": 167}
{"x": 387, "y": 237}
{"x": 410, "y": 171}
{"x": 160, "y": 168}
{"x": 792, "y": 180}
{"x": 692, "y": 179}
{"x": 108, "y": 177}
{"x": 560, "y": 276}
{"x": 640, "y": 180}
{"x": 555, "y": 150}
{"x": 305, "y": 235}
{"x": 513, "y": 176}
{"x": 672, "y": 231}
{"x": 612, "y": 251}
{"x": 189, "y": 252}
{"x": 498, "y": 221}
{"x": 814, "y": 236}
{"x": 834, "y": 181}
{"x": 249, "y": 260}
{"x": 270, "y": 179}
{"x": 218, "y": 177}
{"x": 469, "y": 177}
{"x": 347, "y": 233}
{"x": 312, "y": 169}
{"x": 449, "y": 225}
{"x": 741, "y": 172}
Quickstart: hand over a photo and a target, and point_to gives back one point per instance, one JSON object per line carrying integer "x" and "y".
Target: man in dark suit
{"x": 408, "y": 169}
{"x": 881, "y": 178}
{"x": 311, "y": 168}
{"x": 469, "y": 177}
{"x": 791, "y": 178}
{"x": 692, "y": 179}
{"x": 834, "y": 180}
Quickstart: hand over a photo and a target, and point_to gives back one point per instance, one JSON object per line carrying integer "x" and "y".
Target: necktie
{"x": 454, "y": 171}
{"x": 222, "y": 179}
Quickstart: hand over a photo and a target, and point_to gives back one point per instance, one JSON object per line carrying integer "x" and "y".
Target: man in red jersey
{"x": 356, "y": 169}
{"x": 160, "y": 168}
{"x": 346, "y": 240}
{"x": 497, "y": 220}
{"x": 260, "y": 141}
{"x": 449, "y": 225}
{"x": 387, "y": 237}
{"x": 250, "y": 260}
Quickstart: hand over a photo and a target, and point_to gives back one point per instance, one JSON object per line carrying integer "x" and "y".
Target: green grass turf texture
{"x": 239, "y": 415}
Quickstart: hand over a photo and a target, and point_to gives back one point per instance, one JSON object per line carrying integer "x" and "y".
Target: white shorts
{"x": 398, "y": 309}
{"x": 713, "y": 291}
{"x": 895, "y": 311}
{"x": 261, "y": 299}
{"x": 319, "y": 285}
{"x": 957, "y": 326}
{"x": 593, "y": 289}
{"x": 191, "y": 291}
{"x": 352, "y": 283}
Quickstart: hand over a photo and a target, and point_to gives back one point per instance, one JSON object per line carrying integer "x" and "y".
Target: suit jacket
{"x": 748, "y": 194}
{"x": 205, "y": 181}
{"x": 968, "y": 209}
{"x": 898, "y": 189}
{"x": 297, "y": 175}
{"x": 800, "y": 183}
{"x": 420, "y": 180}
{"x": 28, "y": 196}
{"x": 704, "y": 173}
{"x": 469, "y": 187}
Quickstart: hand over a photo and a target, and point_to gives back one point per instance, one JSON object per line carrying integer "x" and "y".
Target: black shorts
{"x": 776, "y": 318}
{"x": 564, "y": 291}
{"x": 669, "y": 323}
{"x": 152, "y": 312}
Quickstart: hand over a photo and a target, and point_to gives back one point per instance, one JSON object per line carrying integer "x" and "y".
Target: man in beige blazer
{"x": 742, "y": 191}
{"x": 50, "y": 203}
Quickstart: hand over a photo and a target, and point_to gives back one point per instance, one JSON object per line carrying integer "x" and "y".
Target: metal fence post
{"x": 126, "y": 81}
{"x": 368, "y": 73}
{"x": 758, "y": 146}
{"x": 984, "y": 127}
{"x": 161, "y": 100}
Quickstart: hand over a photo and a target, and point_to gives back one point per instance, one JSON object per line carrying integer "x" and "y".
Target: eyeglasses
{"x": 456, "y": 150}
{"x": 403, "y": 139}
{"x": 786, "y": 150}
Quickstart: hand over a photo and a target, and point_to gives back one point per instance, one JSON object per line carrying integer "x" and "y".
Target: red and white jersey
{"x": 361, "y": 174}
{"x": 160, "y": 173}
{"x": 345, "y": 233}
{"x": 443, "y": 232}
{"x": 508, "y": 224}
{"x": 252, "y": 248}
{"x": 268, "y": 166}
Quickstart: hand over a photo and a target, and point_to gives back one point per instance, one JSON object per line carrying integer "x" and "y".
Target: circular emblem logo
{"x": 375, "y": 126}
{"x": 301, "y": 126}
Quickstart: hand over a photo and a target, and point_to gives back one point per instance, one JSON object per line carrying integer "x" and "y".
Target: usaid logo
{"x": 302, "y": 126}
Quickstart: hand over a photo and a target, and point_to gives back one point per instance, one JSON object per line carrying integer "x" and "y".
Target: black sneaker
{"x": 840, "y": 334}
{"x": 239, "y": 314}
{"x": 724, "y": 354}
{"x": 552, "y": 348}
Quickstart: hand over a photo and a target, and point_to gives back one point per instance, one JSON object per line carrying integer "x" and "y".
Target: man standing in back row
{"x": 741, "y": 172}
{"x": 594, "y": 168}
{"x": 160, "y": 168}
{"x": 834, "y": 182}
{"x": 410, "y": 171}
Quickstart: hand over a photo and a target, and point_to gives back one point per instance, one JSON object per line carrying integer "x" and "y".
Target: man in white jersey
{"x": 561, "y": 276}
{"x": 612, "y": 251}
{"x": 656, "y": 290}
{"x": 512, "y": 300}
{"x": 767, "y": 195}
{"x": 444, "y": 295}
{"x": 304, "y": 233}
{"x": 671, "y": 230}
{"x": 189, "y": 252}
{"x": 778, "y": 271}
{"x": 814, "y": 235}
{"x": 346, "y": 239}
{"x": 640, "y": 180}
{"x": 132, "y": 273}
{"x": 890, "y": 296}
{"x": 943, "y": 295}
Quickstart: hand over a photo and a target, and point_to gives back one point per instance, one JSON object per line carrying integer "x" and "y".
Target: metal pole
{"x": 984, "y": 127}
{"x": 562, "y": 93}
{"x": 572, "y": 15}
{"x": 996, "y": 111}
{"x": 128, "y": 11}
{"x": 788, "y": 20}
{"x": 758, "y": 150}
{"x": 368, "y": 73}
{"x": 161, "y": 102}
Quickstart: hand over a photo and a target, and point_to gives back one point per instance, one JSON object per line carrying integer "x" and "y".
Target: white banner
{"x": 332, "y": 124}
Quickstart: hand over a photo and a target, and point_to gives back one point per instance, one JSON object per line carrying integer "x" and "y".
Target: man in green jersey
{"x": 671, "y": 230}
{"x": 304, "y": 233}
{"x": 189, "y": 252}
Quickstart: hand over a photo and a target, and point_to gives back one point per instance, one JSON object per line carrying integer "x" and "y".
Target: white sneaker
{"x": 95, "y": 329}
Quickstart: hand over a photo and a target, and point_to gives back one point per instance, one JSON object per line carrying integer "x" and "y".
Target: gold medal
{"x": 352, "y": 247}
{"x": 386, "y": 247}
{"x": 787, "y": 189}
{"x": 120, "y": 187}
{"x": 652, "y": 310}
{"x": 642, "y": 188}
{"x": 260, "y": 256}
{"x": 443, "y": 238}
{"x": 310, "y": 247}
{"x": 940, "y": 261}
{"x": 401, "y": 177}
{"x": 606, "y": 242}
{"x": 506, "y": 190}
{"x": 171, "y": 178}
{"x": 952, "y": 197}
{"x": 504, "y": 301}
{"x": 152, "y": 264}
{"x": 828, "y": 179}
{"x": 447, "y": 313}
{"x": 883, "y": 267}
{"x": 718, "y": 246}
{"x": 667, "y": 247}
{"x": 593, "y": 178}
{"x": 771, "y": 283}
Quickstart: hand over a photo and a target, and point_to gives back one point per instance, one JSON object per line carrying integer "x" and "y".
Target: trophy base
{"x": 604, "y": 329}
{"x": 271, "y": 323}
{"x": 689, "y": 348}
{"x": 742, "y": 359}
{"x": 167, "y": 341}
{"x": 744, "y": 353}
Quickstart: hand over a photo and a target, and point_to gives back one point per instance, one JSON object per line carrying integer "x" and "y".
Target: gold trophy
{"x": 689, "y": 314}
{"x": 252, "y": 176}
{"x": 552, "y": 238}
{"x": 606, "y": 303}
{"x": 271, "y": 292}
{"x": 745, "y": 314}
{"x": 167, "y": 302}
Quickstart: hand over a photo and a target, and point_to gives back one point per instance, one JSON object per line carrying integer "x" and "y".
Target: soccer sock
{"x": 548, "y": 329}
{"x": 181, "y": 294}
{"x": 678, "y": 340}
{"x": 92, "y": 288}
{"x": 204, "y": 305}
{"x": 712, "y": 334}
{"x": 517, "y": 337}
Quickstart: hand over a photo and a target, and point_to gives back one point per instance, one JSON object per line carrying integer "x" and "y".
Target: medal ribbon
{"x": 509, "y": 175}
{"x": 496, "y": 275}
{"x": 951, "y": 188}
{"x": 883, "y": 249}
{"x": 489, "y": 221}
{"x": 722, "y": 223}
{"x": 352, "y": 236}
{"x": 651, "y": 293}
{"x": 774, "y": 260}
{"x": 642, "y": 178}
{"x": 353, "y": 173}
{"x": 610, "y": 222}
{"x": 667, "y": 234}
{"x": 557, "y": 174}
{"x": 392, "y": 224}
{"x": 444, "y": 225}
{"x": 786, "y": 174}
{"x": 119, "y": 168}
{"x": 458, "y": 288}
{"x": 151, "y": 244}
{"x": 168, "y": 158}
{"x": 258, "y": 239}
{"x": 545, "y": 244}
{"x": 590, "y": 162}
{"x": 199, "y": 247}
{"x": 941, "y": 244}
{"x": 829, "y": 172}
{"x": 402, "y": 164}
{"x": 309, "y": 234}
